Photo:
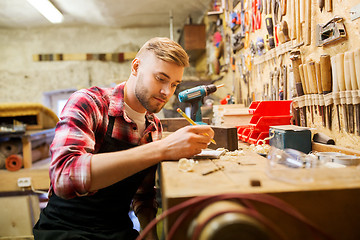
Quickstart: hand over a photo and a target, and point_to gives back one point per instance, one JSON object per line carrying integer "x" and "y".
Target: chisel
{"x": 285, "y": 85}
{"x": 342, "y": 88}
{"x": 313, "y": 86}
{"x": 325, "y": 68}
{"x": 335, "y": 89}
{"x": 321, "y": 5}
{"x": 357, "y": 104}
{"x": 296, "y": 62}
{"x": 348, "y": 61}
{"x": 354, "y": 92}
{"x": 309, "y": 88}
{"x": 302, "y": 78}
{"x": 308, "y": 22}
{"x": 298, "y": 24}
{"x": 301, "y": 90}
{"x": 328, "y": 5}
{"x": 320, "y": 93}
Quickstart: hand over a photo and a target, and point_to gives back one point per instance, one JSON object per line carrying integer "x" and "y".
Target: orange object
{"x": 13, "y": 162}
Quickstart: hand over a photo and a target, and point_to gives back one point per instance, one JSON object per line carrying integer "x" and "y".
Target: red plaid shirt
{"x": 80, "y": 132}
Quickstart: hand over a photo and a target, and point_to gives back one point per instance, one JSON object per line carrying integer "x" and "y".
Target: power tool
{"x": 195, "y": 96}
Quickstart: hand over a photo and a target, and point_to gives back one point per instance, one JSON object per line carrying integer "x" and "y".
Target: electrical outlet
{"x": 24, "y": 182}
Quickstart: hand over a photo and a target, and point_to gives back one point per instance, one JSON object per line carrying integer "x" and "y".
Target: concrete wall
{"x": 25, "y": 80}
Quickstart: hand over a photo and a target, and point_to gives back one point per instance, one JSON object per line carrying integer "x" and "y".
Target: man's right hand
{"x": 186, "y": 142}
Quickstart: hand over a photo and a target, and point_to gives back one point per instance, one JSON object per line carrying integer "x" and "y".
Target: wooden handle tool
{"x": 298, "y": 21}
{"x": 296, "y": 62}
{"x": 340, "y": 71}
{"x": 302, "y": 78}
{"x": 308, "y": 22}
{"x": 302, "y": 11}
{"x": 293, "y": 20}
{"x": 318, "y": 78}
{"x": 347, "y": 75}
{"x": 354, "y": 84}
{"x": 357, "y": 66}
{"x": 328, "y": 5}
{"x": 312, "y": 77}
{"x": 325, "y": 69}
{"x": 283, "y": 7}
{"x": 321, "y": 5}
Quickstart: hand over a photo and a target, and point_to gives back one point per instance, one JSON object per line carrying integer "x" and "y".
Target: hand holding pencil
{"x": 191, "y": 122}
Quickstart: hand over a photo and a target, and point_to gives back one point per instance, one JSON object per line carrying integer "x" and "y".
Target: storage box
{"x": 290, "y": 136}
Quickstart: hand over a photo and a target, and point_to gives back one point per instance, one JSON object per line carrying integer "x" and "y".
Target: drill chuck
{"x": 210, "y": 89}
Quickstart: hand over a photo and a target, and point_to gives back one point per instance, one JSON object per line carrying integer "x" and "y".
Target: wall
{"x": 24, "y": 80}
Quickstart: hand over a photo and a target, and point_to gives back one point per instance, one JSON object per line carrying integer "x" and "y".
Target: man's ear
{"x": 135, "y": 66}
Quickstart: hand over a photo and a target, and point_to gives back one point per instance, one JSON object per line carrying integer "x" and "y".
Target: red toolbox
{"x": 264, "y": 115}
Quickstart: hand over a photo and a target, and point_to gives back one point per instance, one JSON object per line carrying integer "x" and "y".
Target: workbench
{"x": 333, "y": 205}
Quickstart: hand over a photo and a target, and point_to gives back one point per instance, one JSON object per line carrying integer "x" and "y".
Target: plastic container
{"x": 264, "y": 115}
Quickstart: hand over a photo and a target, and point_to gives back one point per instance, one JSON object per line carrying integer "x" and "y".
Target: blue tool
{"x": 195, "y": 96}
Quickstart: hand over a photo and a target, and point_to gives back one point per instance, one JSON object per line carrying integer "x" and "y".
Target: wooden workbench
{"x": 332, "y": 201}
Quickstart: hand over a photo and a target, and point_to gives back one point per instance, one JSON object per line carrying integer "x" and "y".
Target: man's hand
{"x": 186, "y": 142}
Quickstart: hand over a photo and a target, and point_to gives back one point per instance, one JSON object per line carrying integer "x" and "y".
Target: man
{"x": 106, "y": 148}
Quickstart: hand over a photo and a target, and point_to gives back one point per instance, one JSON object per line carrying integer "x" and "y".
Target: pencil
{"x": 191, "y": 121}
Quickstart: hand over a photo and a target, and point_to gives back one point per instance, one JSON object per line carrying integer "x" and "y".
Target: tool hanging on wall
{"x": 284, "y": 83}
{"x": 341, "y": 83}
{"x": 270, "y": 26}
{"x": 320, "y": 96}
{"x": 321, "y": 4}
{"x": 335, "y": 88}
{"x": 325, "y": 68}
{"x": 308, "y": 90}
{"x": 328, "y": 5}
{"x": 357, "y": 101}
{"x": 332, "y": 31}
{"x": 308, "y": 22}
{"x": 283, "y": 32}
{"x": 348, "y": 61}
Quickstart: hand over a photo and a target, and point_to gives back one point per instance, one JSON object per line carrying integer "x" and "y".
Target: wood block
{"x": 225, "y": 137}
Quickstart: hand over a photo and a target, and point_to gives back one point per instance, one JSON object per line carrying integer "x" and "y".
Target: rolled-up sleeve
{"x": 73, "y": 146}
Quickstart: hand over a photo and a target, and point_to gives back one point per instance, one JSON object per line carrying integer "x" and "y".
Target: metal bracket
{"x": 355, "y": 12}
{"x": 332, "y": 31}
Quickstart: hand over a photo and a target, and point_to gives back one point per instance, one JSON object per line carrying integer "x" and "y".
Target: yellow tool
{"x": 191, "y": 121}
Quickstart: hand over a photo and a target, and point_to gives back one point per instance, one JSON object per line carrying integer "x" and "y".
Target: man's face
{"x": 156, "y": 82}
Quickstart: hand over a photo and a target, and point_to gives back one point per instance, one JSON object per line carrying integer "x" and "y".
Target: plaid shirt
{"x": 80, "y": 132}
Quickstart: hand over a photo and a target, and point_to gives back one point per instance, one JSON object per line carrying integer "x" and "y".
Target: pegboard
{"x": 269, "y": 74}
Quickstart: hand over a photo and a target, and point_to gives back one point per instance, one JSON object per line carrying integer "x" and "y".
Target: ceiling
{"x": 110, "y": 13}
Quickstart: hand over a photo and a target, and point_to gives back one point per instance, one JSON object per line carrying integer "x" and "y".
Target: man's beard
{"x": 142, "y": 94}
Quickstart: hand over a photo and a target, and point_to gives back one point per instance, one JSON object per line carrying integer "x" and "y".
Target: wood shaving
{"x": 263, "y": 148}
{"x": 231, "y": 155}
{"x": 186, "y": 165}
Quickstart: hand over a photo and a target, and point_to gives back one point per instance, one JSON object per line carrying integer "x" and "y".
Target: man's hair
{"x": 166, "y": 50}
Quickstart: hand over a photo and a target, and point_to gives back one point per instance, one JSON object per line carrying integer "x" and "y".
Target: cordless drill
{"x": 195, "y": 96}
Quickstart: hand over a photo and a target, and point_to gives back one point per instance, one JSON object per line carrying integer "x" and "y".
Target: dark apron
{"x": 103, "y": 215}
